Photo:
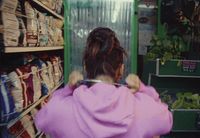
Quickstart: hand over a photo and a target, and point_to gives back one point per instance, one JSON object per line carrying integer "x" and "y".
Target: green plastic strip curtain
{"x": 85, "y": 15}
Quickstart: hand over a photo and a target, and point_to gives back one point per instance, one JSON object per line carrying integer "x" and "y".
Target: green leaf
{"x": 165, "y": 47}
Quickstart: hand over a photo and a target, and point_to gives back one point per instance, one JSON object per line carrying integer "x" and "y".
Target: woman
{"x": 103, "y": 108}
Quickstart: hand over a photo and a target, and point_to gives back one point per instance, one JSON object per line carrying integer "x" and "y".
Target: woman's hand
{"x": 133, "y": 82}
{"x": 74, "y": 77}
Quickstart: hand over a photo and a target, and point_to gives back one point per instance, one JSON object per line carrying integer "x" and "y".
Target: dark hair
{"x": 103, "y": 54}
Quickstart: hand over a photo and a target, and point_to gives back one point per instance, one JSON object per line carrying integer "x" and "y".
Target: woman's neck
{"x": 105, "y": 78}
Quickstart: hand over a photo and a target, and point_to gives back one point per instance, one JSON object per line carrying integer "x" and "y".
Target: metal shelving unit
{"x": 11, "y": 50}
{"x": 168, "y": 76}
{"x": 31, "y": 49}
{"x": 176, "y": 78}
{"x": 12, "y": 122}
{"x": 48, "y": 9}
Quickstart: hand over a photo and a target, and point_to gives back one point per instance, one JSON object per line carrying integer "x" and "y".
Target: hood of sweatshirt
{"x": 103, "y": 110}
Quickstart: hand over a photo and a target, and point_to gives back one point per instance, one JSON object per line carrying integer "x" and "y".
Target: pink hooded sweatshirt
{"x": 104, "y": 111}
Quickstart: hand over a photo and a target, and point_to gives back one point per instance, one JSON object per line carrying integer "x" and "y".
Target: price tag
{"x": 189, "y": 66}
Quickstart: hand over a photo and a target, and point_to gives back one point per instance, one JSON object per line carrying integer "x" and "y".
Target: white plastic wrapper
{"x": 9, "y": 21}
{"x": 53, "y": 4}
{"x": 30, "y": 12}
{"x": 57, "y": 70}
{"x": 58, "y": 39}
{"x": 50, "y": 31}
{"x": 22, "y": 29}
{"x": 58, "y": 6}
{"x": 51, "y": 73}
{"x": 36, "y": 83}
{"x": 45, "y": 76}
{"x": 10, "y": 25}
{"x": 32, "y": 25}
{"x": 57, "y": 23}
{"x": 51, "y": 36}
{"x": 16, "y": 90}
{"x": 56, "y": 35}
{"x": 60, "y": 67}
{"x": 10, "y": 37}
{"x": 8, "y": 5}
{"x": 43, "y": 30}
{"x": 27, "y": 84}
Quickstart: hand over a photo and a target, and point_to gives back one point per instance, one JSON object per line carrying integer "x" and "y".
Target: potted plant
{"x": 166, "y": 54}
{"x": 165, "y": 48}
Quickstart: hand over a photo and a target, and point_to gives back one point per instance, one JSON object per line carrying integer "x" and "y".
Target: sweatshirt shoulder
{"x": 52, "y": 111}
{"x": 62, "y": 92}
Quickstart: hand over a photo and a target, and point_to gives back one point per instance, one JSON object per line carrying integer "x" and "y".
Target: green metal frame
{"x": 161, "y": 29}
{"x": 158, "y": 18}
{"x": 134, "y": 41}
{"x": 67, "y": 42}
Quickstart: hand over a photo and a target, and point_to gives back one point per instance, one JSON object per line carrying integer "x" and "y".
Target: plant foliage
{"x": 165, "y": 48}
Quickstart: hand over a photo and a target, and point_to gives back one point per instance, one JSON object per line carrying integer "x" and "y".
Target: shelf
{"x": 175, "y": 68}
{"x": 30, "y": 49}
{"x": 170, "y": 76}
{"x": 48, "y": 9}
{"x": 12, "y": 122}
{"x": 173, "y": 110}
{"x": 176, "y": 76}
{"x": 185, "y": 120}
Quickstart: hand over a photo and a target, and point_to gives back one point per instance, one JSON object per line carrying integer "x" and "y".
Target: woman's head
{"x": 103, "y": 54}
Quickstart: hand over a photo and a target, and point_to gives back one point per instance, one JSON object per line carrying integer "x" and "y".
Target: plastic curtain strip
{"x": 85, "y": 15}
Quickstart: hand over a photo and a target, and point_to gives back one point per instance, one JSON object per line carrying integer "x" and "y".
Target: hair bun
{"x": 103, "y": 53}
{"x": 107, "y": 47}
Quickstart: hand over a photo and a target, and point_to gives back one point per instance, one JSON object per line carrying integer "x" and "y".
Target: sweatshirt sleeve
{"x": 150, "y": 91}
{"x": 46, "y": 114}
{"x": 152, "y": 114}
